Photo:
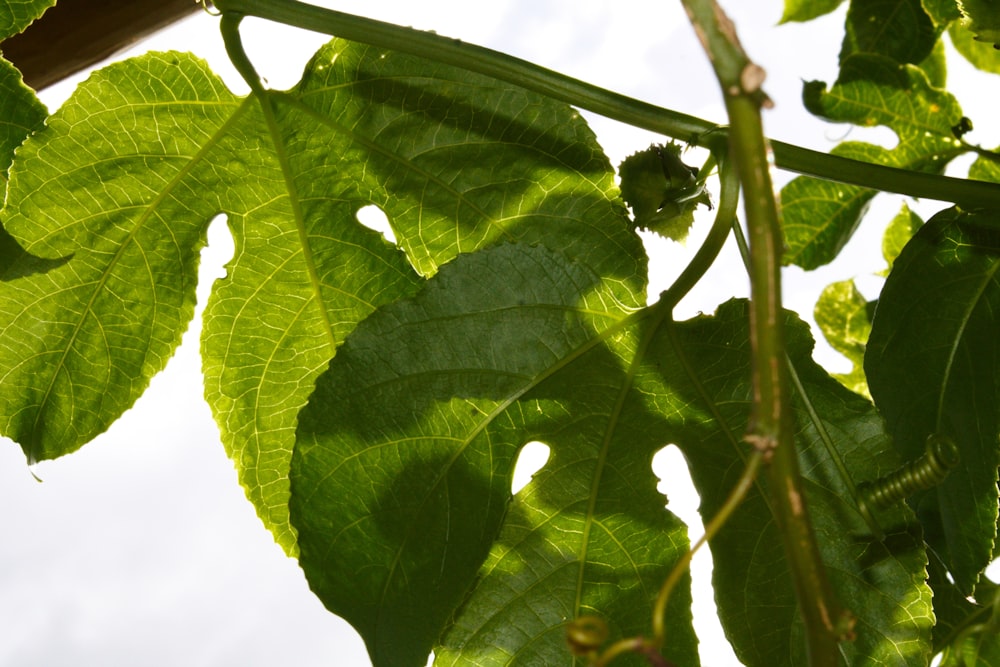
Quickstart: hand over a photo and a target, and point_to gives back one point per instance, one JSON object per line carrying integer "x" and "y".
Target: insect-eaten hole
{"x": 374, "y": 218}
{"x": 671, "y": 469}
{"x": 530, "y": 460}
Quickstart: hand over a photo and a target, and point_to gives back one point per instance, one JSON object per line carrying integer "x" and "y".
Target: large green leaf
{"x": 898, "y": 29}
{"x": 16, "y": 15}
{"x": 932, "y": 364}
{"x": 456, "y": 161}
{"x": 104, "y": 189}
{"x": 401, "y": 476}
{"x": 402, "y": 470}
{"x": 820, "y": 216}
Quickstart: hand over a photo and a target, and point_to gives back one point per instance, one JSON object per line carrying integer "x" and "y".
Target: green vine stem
{"x": 971, "y": 194}
{"x": 772, "y": 427}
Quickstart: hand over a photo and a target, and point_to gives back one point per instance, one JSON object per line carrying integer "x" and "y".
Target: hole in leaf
{"x": 218, "y": 251}
{"x": 671, "y": 468}
{"x": 373, "y": 217}
{"x": 530, "y": 460}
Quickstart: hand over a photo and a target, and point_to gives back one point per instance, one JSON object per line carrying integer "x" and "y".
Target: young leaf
{"x": 844, "y": 316}
{"x": 898, "y": 233}
{"x": 871, "y": 90}
{"x": 932, "y": 364}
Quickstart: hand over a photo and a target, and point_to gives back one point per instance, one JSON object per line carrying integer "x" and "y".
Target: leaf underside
{"x": 819, "y": 217}
{"x": 511, "y": 310}
{"x": 932, "y": 365}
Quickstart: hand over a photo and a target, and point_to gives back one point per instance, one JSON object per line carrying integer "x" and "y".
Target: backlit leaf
{"x": 16, "y": 15}
{"x": 455, "y": 161}
{"x": 979, "y": 53}
{"x": 819, "y": 216}
{"x": 898, "y": 233}
{"x": 932, "y": 364}
{"x": 79, "y": 342}
{"x": 421, "y": 417}
{"x": 402, "y": 470}
{"x": 806, "y": 10}
{"x": 844, "y": 316}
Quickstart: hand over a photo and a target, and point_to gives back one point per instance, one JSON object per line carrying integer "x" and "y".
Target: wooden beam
{"x": 78, "y": 33}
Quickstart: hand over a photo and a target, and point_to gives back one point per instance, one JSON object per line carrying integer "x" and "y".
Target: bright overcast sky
{"x": 141, "y": 548}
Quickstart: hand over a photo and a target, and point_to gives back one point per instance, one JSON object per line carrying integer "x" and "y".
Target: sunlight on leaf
{"x": 820, "y": 216}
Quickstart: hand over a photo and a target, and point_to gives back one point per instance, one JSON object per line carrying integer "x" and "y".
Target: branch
{"x": 771, "y": 426}
{"x": 689, "y": 129}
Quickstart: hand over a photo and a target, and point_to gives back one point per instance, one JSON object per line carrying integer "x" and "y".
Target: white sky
{"x": 141, "y": 549}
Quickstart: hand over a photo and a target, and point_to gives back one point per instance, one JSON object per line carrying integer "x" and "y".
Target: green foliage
{"x": 983, "y": 19}
{"x": 898, "y": 29}
{"x": 821, "y": 216}
{"x": 375, "y": 396}
{"x": 16, "y": 16}
{"x": 928, "y": 360}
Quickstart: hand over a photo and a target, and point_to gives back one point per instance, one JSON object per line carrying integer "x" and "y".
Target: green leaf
{"x": 807, "y": 10}
{"x": 982, "y": 18}
{"x": 78, "y": 343}
{"x": 898, "y": 29}
{"x": 986, "y": 168}
{"x": 758, "y": 606}
{"x": 942, "y": 12}
{"x": 898, "y": 233}
{"x": 844, "y": 317}
{"x": 981, "y": 54}
{"x": 402, "y": 470}
{"x": 935, "y": 65}
{"x": 932, "y": 366}
{"x": 20, "y": 114}
{"x": 456, "y": 162}
{"x": 820, "y": 216}
{"x": 16, "y": 15}
{"x": 421, "y": 417}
